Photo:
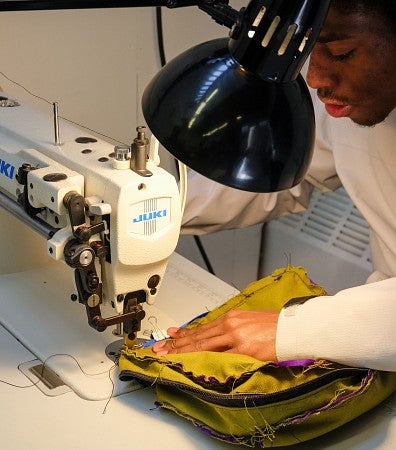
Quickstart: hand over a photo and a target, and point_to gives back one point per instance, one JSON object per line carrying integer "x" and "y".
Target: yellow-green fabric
{"x": 242, "y": 400}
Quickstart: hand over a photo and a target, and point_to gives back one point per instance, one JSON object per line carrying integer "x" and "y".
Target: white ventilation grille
{"x": 333, "y": 220}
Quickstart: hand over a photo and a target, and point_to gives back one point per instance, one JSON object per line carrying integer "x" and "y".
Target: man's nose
{"x": 320, "y": 73}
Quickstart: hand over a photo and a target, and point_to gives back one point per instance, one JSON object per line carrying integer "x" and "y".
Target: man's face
{"x": 353, "y": 68}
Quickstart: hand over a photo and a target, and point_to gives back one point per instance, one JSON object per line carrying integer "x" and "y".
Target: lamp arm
{"x": 26, "y": 5}
{"x": 221, "y": 12}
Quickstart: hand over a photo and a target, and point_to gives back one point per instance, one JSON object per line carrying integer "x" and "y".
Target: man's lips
{"x": 335, "y": 109}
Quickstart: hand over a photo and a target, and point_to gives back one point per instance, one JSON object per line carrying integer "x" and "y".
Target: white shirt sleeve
{"x": 356, "y": 327}
{"x": 212, "y": 207}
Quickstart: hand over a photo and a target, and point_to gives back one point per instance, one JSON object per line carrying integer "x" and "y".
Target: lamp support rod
{"x": 30, "y": 5}
{"x": 221, "y": 13}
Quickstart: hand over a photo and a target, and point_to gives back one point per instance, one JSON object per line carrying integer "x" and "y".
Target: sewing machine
{"x": 110, "y": 218}
{"x": 110, "y": 213}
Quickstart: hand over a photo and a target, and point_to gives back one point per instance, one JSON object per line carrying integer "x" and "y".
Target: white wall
{"x": 95, "y": 64}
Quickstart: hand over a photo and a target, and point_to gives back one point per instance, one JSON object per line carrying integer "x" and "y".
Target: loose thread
{"x": 25, "y": 89}
{"x": 19, "y": 386}
{"x": 61, "y": 117}
{"x": 112, "y": 390}
{"x": 45, "y": 365}
{"x": 76, "y": 361}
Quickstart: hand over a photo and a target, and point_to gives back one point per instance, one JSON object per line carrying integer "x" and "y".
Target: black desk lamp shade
{"x": 238, "y": 110}
{"x": 228, "y": 124}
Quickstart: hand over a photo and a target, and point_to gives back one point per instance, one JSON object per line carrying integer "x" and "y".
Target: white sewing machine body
{"x": 126, "y": 224}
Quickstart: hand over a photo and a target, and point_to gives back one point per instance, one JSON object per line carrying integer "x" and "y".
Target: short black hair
{"x": 385, "y": 9}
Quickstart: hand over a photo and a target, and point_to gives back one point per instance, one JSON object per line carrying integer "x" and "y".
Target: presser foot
{"x": 113, "y": 350}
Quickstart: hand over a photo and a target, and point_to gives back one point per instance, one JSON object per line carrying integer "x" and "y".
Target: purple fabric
{"x": 295, "y": 362}
{"x": 338, "y": 400}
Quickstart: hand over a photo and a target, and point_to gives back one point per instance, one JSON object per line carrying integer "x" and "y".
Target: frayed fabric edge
{"x": 262, "y": 437}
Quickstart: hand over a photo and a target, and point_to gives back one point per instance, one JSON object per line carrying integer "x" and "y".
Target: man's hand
{"x": 251, "y": 333}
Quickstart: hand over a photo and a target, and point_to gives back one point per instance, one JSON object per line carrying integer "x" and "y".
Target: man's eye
{"x": 342, "y": 56}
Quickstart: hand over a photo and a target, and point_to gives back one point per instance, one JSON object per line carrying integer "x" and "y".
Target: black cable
{"x": 160, "y": 36}
{"x": 204, "y": 254}
{"x": 161, "y": 50}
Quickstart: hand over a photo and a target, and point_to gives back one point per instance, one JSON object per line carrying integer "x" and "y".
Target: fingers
{"x": 202, "y": 338}
{"x": 200, "y": 332}
{"x": 185, "y": 345}
{"x": 172, "y": 331}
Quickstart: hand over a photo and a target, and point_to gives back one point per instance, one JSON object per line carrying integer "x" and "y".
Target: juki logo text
{"x": 150, "y": 216}
{"x": 7, "y": 169}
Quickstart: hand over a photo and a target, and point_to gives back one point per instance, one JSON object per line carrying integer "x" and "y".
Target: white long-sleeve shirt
{"x": 358, "y": 325}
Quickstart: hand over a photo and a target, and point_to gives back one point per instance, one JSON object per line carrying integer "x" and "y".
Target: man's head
{"x": 353, "y": 64}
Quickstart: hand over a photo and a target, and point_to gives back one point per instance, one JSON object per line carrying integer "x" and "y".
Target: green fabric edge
{"x": 279, "y": 430}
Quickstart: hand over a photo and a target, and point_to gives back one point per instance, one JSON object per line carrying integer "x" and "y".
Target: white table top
{"x": 31, "y": 420}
